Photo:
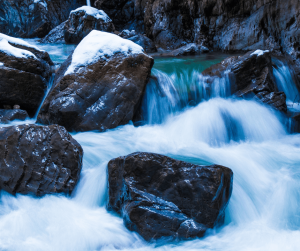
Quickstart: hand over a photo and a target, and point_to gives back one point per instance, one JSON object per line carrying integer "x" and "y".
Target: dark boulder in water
{"x": 250, "y": 76}
{"x": 158, "y": 196}
{"x": 7, "y": 115}
{"x": 139, "y": 39}
{"x": 38, "y": 160}
{"x": 56, "y": 35}
{"x": 100, "y": 86}
{"x": 83, "y": 20}
{"x": 24, "y": 73}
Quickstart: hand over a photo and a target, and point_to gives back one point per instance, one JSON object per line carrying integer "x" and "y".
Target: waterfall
{"x": 49, "y": 86}
{"x": 287, "y": 83}
{"x": 88, "y": 2}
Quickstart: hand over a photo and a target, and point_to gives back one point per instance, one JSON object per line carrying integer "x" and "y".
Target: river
{"x": 246, "y": 136}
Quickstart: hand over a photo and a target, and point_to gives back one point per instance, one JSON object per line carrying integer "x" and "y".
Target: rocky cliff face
{"x": 220, "y": 24}
{"x": 32, "y": 18}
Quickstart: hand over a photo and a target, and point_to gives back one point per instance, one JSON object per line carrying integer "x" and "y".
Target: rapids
{"x": 249, "y": 137}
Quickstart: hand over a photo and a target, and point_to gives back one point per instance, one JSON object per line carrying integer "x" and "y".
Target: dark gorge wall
{"x": 228, "y": 25}
{"x": 34, "y": 18}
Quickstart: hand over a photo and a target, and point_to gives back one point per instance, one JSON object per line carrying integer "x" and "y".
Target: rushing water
{"x": 250, "y": 138}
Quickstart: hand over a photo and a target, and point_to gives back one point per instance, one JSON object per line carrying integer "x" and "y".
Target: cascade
{"x": 186, "y": 119}
{"x": 88, "y": 2}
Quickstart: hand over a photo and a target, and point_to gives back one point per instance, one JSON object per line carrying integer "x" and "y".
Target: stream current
{"x": 246, "y": 136}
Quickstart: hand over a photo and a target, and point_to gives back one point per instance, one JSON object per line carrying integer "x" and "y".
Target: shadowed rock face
{"x": 38, "y": 160}
{"x": 56, "y": 35}
{"x": 222, "y": 25}
{"x": 23, "y": 80}
{"x": 250, "y": 75}
{"x": 29, "y": 18}
{"x": 162, "y": 197}
{"x": 99, "y": 96}
{"x": 80, "y": 24}
{"x": 9, "y": 115}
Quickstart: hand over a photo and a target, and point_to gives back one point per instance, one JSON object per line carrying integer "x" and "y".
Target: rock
{"x": 100, "y": 86}
{"x": 38, "y": 160}
{"x": 9, "y": 115}
{"x": 34, "y": 18}
{"x": 83, "y": 20}
{"x": 222, "y": 25}
{"x": 139, "y": 39}
{"x": 158, "y": 196}
{"x": 24, "y": 73}
{"x": 187, "y": 50}
{"x": 57, "y": 35}
{"x": 250, "y": 75}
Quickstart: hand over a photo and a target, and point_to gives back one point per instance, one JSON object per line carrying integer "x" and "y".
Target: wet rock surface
{"x": 158, "y": 196}
{"x": 100, "y": 95}
{"x": 145, "y": 42}
{"x": 33, "y": 18}
{"x": 56, "y": 35}
{"x": 38, "y": 160}
{"x": 24, "y": 74}
{"x": 82, "y": 21}
{"x": 251, "y": 76}
{"x": 12, "y": 114}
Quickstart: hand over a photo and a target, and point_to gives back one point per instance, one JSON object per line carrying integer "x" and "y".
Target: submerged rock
{"x": 24, "y": 73}
{"x": 57, "y": 35}
{"x": 83, "y": 20}
{"x": 250, "y": 76}
{"x": 145, "y": 42}
{"x": 162, "y": 197}
{"x": 9, "y": 115}
{"x": 100, "y": 85}
{"x": 38, "y": 160}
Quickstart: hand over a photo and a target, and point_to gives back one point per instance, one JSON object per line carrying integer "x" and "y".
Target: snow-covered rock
{"x": 145, "y": 42}
{"x": 99, "y": 86}
{"x": 83, "y": 20}
{"x": 24, "y": 73}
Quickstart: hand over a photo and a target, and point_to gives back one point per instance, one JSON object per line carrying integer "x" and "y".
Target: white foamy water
{"x": 263, "y": 213}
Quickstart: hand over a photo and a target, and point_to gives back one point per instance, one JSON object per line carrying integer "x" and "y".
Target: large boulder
{"x": 38, "y": 160}
{"x": 100, "y": 86}
{"x": 34, "y": 18}
{"x": 162, "y": 197}
{"x": 7, "y": 115}
{"x": 24, "y": 74}
{"x": 145, "y": 42}
{"x": 56, "y": 35}
{"x": 83, "y": 20}
{"x": 249, "y": 76}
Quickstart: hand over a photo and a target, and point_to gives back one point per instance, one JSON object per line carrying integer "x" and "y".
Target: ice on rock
{"x": 259, "y": 52}
{"x": 8, "y": 49}
{"x": 98, "y": 14}
{"x": 100, "y": 45}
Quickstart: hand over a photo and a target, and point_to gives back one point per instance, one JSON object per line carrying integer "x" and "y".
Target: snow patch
{"x": 100, "y": 45}
{"x": 42, "y": 2}
{"x": 18, "y": 41}
{"x": 13, "y": 51}
{"x": 98, "y": 14}
{"x": 1, "y": 64}
{"x": 259, "y": 52}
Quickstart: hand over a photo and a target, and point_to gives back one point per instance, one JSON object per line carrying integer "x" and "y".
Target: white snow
{"x": 13, "y": 51}
{"x": 1, "y": 64}
{"x": 258, "y": 52}
{"x": 42, "y": 2}
{"x": 100, "y": 45}
{"x": 19, "y": 41}
{"x": 98, "y": 14}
